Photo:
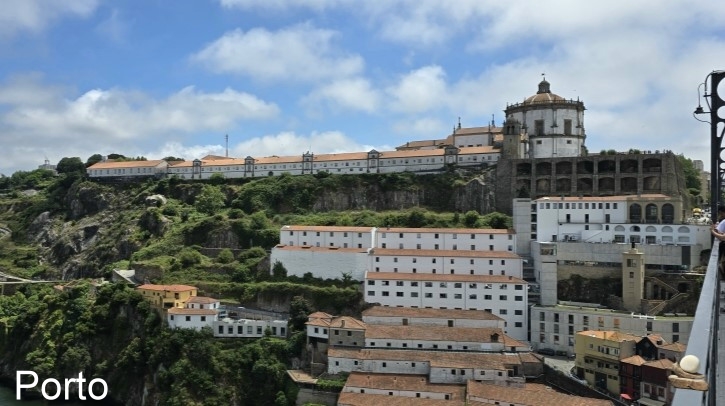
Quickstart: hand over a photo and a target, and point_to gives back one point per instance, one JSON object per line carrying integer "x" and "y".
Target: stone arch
{"x": 619, "y": 228}
{"x": 650, "y": 229}
{"x": 606, "y": 166}
{"x": 543, "y": 185}
{"x": 563, "y": 185}
{"x": 606, "y": 184}
{"x": 628, "y": 185}
{"x": 563, "y": 168}
{"x": 543, "y": 168}
{"x": 652, "y": 165}
{"x": 666, "y": 229}
{"x": 584, "y": 185}
{"x": 651, "y": 183}
{"x": 585, "y": 167}
{"x": 634, "y": 229}
{"x": 628, "y": 166}
{"x": 683, "y": 230}
{"x": 523, "y": 169}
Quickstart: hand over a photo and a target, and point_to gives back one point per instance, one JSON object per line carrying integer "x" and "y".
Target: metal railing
{"x": 703, "y": 342}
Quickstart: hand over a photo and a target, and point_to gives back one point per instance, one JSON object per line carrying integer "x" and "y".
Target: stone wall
{"x": 593, "y": 175}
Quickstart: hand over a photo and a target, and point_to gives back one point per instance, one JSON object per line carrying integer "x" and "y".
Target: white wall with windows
{"x": 504, "y": 296}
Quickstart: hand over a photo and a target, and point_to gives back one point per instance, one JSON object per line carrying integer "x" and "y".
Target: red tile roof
{"x": 367, "y": 399}
{"x": 530, "y": 394}
{"x": 202, "y": 300}
{"x": 390, "y": 252}
{"x": 127, "y": 164}
{"x": 410, "y": 312}
{"x": 437, "y": 277}
{"x": 187, "y": 311}
{"x": 167, "y": 288}
{"x": 417, "y": 383}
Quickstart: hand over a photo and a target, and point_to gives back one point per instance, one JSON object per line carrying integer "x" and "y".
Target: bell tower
{"x": 513, "y": 146}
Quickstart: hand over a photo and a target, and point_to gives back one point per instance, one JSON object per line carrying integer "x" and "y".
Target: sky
{"x": 159, "y": 78}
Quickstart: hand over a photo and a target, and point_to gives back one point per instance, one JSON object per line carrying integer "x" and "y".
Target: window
{"x": 518, "y": 298}
{"x": 519, "y": 287}
{"x": 370, "y": 293}
{"x": 386, "y": 293}
{"x": 188, "y": 318}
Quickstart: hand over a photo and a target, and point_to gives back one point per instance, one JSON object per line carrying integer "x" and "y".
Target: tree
{"x": 281, "y": 399}
{"x": 299, "y": 309}
{"x": 497, "y": 220}
{"x": 471, "y": 218}
{"x": 216, "y": 178}
{"x": 692, "y": 177}
{"x": 71, "y": 165}
{"x": 94, "y": 159}
{"x": 279, "y": 272}
{"x": 172, "y": 159}
{"x": 225, "y": 256}
{"x": 210, "y": 200}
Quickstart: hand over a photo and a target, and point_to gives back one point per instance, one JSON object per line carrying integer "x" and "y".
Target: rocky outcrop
{"x": 86, "y": 198}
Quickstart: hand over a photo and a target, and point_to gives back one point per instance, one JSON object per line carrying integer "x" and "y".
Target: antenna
{"x": 226, "y": 139}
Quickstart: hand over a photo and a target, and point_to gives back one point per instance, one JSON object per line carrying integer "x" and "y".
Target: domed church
{"x": 544, "y": 125}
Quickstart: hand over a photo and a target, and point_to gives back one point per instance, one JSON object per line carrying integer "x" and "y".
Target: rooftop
{"x": 531, "y": 394}
{"x": 438, "y": 333}
{"x": 187, "y": 311}
{"x": 167, "y": 288}
{"x": 387, "y": 311}
{"x": 202, "y": 300}
{"x": 367, "y": 399}
{"x": 126, "y": 164}
{"x": 438, "y": 359}
{"x": 418, "y": 383}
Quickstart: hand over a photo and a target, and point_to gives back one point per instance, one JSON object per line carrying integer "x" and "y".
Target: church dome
{"x": 544, "y": 95}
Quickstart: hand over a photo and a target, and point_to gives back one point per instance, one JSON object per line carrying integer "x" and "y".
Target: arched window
{"x": 635, "y": 213}
{"x": 650, "y": 213}
{"x": 634, "y": 229}
{"x": 668, "y": 213}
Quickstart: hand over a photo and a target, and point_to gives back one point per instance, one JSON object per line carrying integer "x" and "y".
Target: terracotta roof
{"x": 509, "y": 342}
{"x": 531, "y": 394}
{"x": 416, "y": 383}
{"x": 347, "y": 322}
{"x": 446, "y": 230}
{"x": 205, "y": 162}
{"x": 389, "y": 252}
{"x": 436, "y": 277}
{"x": 387, "y": 311}
{"x": 676, "y": 347}
{"x": 166, "y": 288}
{"x": 437, "y": 359}
{"x": 320, "y": 249}
{"x": 320, "y": 315}
{"x": 663, "y": 363}
{"x": 328, "y": 229}
{"x": 183, "y": 311}
{"x": 318, "y": 322}
{"x": 345, "y": 156}
{"x": 634, "y": 360}
{"x": 215, "y": 158}
{"x": 434, "y": 333}
{"x": 478, "y": 130}
{"x": 367, "y": 399}
{"x": 126, "y": 164}
{"x": 554, "y": 199}
{"x": 422, "y": 144}
{"x": 610, "y": 335}
{"x": 202, "y": 300}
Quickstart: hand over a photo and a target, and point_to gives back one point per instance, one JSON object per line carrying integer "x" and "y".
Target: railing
{"x": 703, "y": 342}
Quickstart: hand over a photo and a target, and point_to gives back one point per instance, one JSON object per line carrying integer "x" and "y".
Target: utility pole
{"x": 226, "y": 139}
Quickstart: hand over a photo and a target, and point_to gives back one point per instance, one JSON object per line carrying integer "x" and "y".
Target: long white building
{"x": 504, "y": 296}
{"x": 353, "y": 163}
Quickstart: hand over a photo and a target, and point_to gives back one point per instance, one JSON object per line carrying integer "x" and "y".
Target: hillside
{"x": 214, "y": 235}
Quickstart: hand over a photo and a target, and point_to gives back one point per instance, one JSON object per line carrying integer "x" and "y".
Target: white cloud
{"x": 354, "y": 94}
{"x": 113, "y": 118}
{"x": 297, "y": 53}
{"x": 36, "y": 15}
{"x": 290, "y": 143}
{"x": 115, "y": 27}
{"x": 317, "y": 5}
{"x": 420, "y": 90}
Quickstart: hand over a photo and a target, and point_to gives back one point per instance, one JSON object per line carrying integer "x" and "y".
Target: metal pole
{"x": 716, "y": 149}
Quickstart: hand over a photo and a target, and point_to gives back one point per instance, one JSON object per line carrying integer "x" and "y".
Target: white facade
{"x": 555, "y": 327}
{"x": 327, "y": 236}
{"x": 326, "y": 263}
{"x": 418, "y": 160}
{"x": 554, "y": 126}
{"x": 440, "y": 367}
{"x": 464, "y": 239}
{"x": 441, "y": 338}
{"x": 446, "y": 262}
{"x": 190, "y": 318}
{"x": 504, "y": 296}
{"x": 245, "y": 328}
{"x": 127, "y": 169}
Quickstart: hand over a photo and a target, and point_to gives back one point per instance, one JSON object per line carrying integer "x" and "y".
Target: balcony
{"x": 704, "y": 343}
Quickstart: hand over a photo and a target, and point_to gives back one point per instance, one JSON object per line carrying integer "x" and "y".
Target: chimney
{"x": 342, "y": 323}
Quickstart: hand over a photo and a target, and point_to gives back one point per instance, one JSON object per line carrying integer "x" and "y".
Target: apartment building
{"x": 556, "y": 327}
{"x": 503, "y": 296}
{"x": 167, "y": 296}
{"x": 598, "y": 356}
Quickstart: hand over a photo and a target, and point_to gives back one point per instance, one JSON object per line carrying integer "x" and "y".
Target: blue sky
{"x": 158, "y": 78}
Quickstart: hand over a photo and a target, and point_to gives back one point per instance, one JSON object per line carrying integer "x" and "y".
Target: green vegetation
{"x": 213, "y": 234}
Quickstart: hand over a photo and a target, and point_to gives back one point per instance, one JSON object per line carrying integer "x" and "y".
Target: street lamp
{"x": 715, "y": 103}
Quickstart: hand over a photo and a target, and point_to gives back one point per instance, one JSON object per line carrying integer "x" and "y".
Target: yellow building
{"x": 598, "y": 354}
{"x": 167, "y": 296}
